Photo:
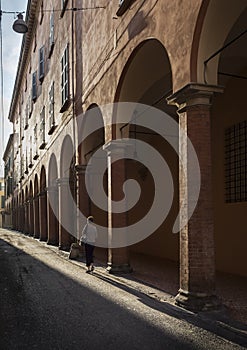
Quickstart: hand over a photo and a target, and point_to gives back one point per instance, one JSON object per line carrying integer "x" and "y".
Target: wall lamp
{"x": 19, "y": 25}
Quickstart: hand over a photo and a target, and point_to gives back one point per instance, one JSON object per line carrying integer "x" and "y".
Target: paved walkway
{"x": 160, "y": 279}
{"x": 49, "y": 302}
{"x": 164, "y": 274}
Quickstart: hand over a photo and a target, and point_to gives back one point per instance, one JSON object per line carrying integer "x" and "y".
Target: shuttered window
{"x": 65, "y": 78}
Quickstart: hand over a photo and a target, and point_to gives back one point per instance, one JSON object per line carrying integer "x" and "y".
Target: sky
{"x": 11, "y": 50}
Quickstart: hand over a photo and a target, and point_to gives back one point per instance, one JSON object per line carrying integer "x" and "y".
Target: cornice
{"x": 25, "y": 48}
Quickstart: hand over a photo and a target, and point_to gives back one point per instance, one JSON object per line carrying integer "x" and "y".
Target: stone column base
{"x": 64, "y": 247}
{"x": 197, "y": 301}
{"x": 118, "y": 269}
{"x": 52, "y": 242}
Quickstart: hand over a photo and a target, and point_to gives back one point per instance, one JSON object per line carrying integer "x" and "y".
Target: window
{"x": 35, "y": 132}
{"x": 22, "y": 167}
{"x": 51, "y": 36}
{"x": 65, "y": 79}
{"x": 42, "y": 129}
{"x": 26, "y": 163}
{"x": 123, "y": 6}
{"x": 22, "y": 119}
{"x": 34, "y": 86}
{"x": 26, "y": 116}
{"x": 30, "y": 153}
{"x": 41, "y": 63}
{"x": 236, "y": 163}
{"x": 30, "y": 106}
{"x": 63, "y": 6}
{"x": 35, "y": 42}
{"x": 51, "y": 110}
{"x": 41, "y": 12}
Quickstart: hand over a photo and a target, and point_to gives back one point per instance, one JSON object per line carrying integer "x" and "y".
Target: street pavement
{"x": 49, "y": 302}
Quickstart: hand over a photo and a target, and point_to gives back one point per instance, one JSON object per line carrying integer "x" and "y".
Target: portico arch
{"x": 229, "y": 136}
{"x": 43, "y": 205}
{"x": 91, "y": 139}
{"x": 52, "y": 202}
{"x": 147, "y": 79}
{"x": 66, "y": 185}
{"x": 36, "y": 208}
{"x": 215, "y": 21}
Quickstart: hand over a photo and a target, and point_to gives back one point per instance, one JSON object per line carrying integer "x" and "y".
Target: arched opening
{"x": 224, "y": 23}
{"x": 22, "y": 214}
{"x": 67, "y": 195}
{"x": 43, "y": 206}
{"x": 26, "y": 213}
{"x": 36, "y": 208}
{"x": 91, "y": 140}
{"x": 147, "y": 79}
{"x": 215, "y": 21}
{"x": 31, "y": 210}
{"x": 53, "y": 204}
{"x": 229, "y": 125}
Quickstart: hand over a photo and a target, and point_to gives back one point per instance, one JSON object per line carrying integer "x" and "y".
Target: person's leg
{"x": 88, "y": 256}
{"x": 92, "y": 265}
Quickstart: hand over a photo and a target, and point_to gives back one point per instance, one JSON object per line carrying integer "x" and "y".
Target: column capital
{"x": 80, "y": 169}
{"x": 51, "y": 189}
{"x": 120, "y": 146}
{"x": 62, "y": 181}
{"x": 42, "y": 193}
{"x": 194, "y": 95}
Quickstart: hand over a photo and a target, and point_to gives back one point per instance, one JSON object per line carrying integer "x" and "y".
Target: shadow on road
{"x": 44, "y": 308}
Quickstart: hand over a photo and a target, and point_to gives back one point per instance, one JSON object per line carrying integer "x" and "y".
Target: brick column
{"x": 22, "y": 218}
{"x": 36, "y": 216}
{"x": 30, "y": 215}
{"x": 118, "y": 258}
{"x": 14, "y": 218}
{"x": 65, "y": 214}
{"x": 52, "y": 219}
{"x": 43, "y": 215}
{"x": 25, "y": 222}
{"x": 17, "y": 218}
{"x": 197, "y": 261}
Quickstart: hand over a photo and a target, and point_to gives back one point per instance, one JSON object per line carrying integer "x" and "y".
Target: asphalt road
{"x": 46, "y": 302}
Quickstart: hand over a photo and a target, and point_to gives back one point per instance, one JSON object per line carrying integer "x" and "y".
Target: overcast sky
{"x": 11, "y": 50}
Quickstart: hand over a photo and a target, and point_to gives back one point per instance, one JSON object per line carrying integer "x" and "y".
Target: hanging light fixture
{"x": 20, "y": 25}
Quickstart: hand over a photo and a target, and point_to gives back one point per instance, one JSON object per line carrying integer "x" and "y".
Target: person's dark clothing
{"x": 89, "y": 254}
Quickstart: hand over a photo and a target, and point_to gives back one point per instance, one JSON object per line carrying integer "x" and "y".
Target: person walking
{"x": 89, "y": 236}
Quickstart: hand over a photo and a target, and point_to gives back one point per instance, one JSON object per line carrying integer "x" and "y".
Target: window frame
{"x": 123, "y": 6}
{"x": 42, "y": 129}
{"x": 41, "y": 63}
{"x": 34, "y": 86}
{"x": 51, "y": 111}
{"x": 35, "y": 133}
{"x": 51, "y": 34}
{"x": 65, "y": 79}
{"x": 64, "y": 4}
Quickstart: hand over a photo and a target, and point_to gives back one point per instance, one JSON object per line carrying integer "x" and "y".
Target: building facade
{"x": 186, "y": 59}
{"x": 8, "y": 156}
{"x": 2, "y": 198}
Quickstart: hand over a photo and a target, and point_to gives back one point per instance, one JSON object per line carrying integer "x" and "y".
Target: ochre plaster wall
{"x": 230, "y": 218}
